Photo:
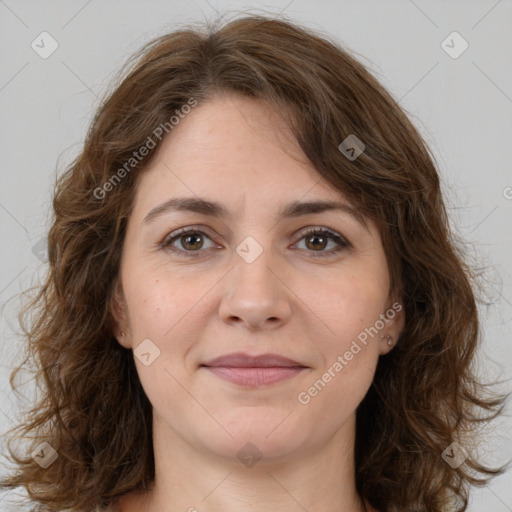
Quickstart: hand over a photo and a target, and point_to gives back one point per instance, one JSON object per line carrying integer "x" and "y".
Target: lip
{"x": 241, "y": 360}
{"x": 253, "y": 371}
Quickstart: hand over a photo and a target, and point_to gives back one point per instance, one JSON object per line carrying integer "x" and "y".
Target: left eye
{"x": 315, "y": 240}
{"x": 320, "y": 238}
{"x": 189, "y": 238}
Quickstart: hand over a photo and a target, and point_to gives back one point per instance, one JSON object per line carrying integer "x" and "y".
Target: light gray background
{"x": 462, "y": 106}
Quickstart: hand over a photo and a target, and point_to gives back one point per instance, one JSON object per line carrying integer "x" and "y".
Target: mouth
{"x": 254, "y": 371}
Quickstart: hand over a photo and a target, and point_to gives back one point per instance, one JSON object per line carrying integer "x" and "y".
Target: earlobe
{"x": 396, "y": 316}
{"x": 389, "y": 340}
{"x": 123, "y": 340}
{"x": 117, "y": 308}
{"x": 387, "y": 343}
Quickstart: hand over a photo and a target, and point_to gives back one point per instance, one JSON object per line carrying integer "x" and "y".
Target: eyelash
{"x": 323, "y": 232}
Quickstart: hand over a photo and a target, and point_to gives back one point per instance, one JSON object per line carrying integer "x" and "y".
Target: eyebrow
{"x": 215, "y": 209}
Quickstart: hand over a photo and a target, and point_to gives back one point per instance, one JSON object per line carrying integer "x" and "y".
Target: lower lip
{"x": 253, "y": 377}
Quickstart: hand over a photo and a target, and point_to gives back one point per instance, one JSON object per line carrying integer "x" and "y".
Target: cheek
{"x": 350, "y": 304}
{"x": 350, "y": 345}
{"x": 330, "y": 397}
{"x": 172, "y": 312}
{"x": 341, "y": 383}
{"x": 157, "y": 301}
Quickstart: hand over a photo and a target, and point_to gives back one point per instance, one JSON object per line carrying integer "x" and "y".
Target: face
{"x": 256, "y": 274}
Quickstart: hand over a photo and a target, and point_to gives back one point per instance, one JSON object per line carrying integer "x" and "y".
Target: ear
{"x": 394, "y": 325}
{"x": 119, "y": 313}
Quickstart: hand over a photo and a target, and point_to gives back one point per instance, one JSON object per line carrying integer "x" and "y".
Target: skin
{"x": 288, "y": 301}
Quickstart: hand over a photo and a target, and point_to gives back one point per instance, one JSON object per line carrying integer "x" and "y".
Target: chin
{"x": 258, "y": 434}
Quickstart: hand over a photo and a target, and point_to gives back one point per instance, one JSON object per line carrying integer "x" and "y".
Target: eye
{"x": 190, "y": 239}
{"x": 317, "y": 239}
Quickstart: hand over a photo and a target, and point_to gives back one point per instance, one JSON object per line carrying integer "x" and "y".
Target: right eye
{"x": 191, "y": 240}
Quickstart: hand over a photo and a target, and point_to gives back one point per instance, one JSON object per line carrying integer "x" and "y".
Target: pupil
{"x": 192, "y": 245}
{"x": 317, "y": 237}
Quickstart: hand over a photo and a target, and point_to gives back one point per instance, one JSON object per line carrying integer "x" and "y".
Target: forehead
{"x": 232, "y": 147}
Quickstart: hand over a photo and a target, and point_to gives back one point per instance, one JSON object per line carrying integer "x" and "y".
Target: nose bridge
{"x": 253, "y": 265}
{"x": 254, "y": 294}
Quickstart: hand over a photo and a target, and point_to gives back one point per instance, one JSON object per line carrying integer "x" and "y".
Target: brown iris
{"x": 323, "y": 241}
{"x": 192, "y": 241}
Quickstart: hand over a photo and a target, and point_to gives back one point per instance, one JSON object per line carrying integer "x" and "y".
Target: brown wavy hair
{"x": 425, "y": 394}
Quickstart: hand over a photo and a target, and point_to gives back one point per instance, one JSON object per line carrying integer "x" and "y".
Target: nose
{"x": 256, "y": 295}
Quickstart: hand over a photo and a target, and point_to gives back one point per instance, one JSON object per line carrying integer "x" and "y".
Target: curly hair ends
{"x": 93, "y": 410}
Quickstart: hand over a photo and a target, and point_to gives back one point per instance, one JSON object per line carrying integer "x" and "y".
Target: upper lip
{"x": 241, "y": 360}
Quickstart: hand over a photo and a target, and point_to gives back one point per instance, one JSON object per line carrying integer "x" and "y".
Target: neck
{"x": 194, "y": 480}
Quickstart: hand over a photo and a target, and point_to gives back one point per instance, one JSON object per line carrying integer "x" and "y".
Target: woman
{"x": 254, "y": 300}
